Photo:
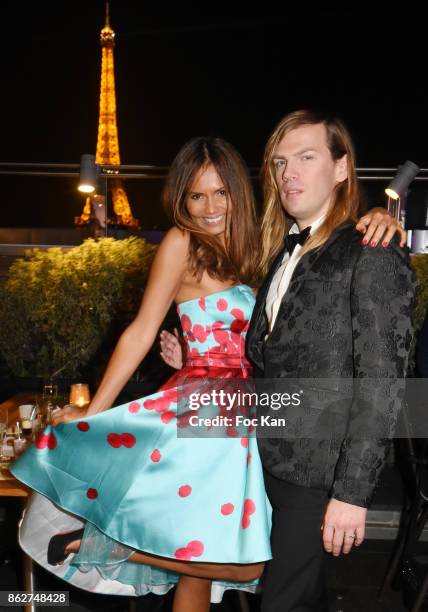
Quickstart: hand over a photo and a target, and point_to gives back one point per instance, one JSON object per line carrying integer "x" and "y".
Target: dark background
{"x": 228, "y": 72}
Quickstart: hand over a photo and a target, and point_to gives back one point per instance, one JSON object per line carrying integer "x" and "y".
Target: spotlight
{"x": 405, "y": 174}
{"x": 88, "y": 174}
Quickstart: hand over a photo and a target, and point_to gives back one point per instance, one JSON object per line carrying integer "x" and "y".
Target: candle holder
{"x": 79, "y": 394}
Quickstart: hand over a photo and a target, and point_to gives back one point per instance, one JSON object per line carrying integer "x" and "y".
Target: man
{"x": 330, "y": 308}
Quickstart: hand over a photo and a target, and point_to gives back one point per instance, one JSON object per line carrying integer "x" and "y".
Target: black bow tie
{"x": 291, "y": 240}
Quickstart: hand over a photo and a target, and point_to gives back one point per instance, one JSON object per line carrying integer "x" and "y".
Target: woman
{"x": 196, "y": 507}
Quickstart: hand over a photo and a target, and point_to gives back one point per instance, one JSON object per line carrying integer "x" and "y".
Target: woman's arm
{"x": 166, "y": 274}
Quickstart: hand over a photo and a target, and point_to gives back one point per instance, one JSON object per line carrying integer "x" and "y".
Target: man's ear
{"x": 342, "y": 169}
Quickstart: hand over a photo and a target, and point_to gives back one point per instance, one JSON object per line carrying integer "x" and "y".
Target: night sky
{"x": 179, "y": 75}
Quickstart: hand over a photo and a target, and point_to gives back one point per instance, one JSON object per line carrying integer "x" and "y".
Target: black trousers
{"x": 294, "y": 579}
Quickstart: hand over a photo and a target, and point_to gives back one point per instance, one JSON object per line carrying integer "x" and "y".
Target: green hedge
{"x": 58, "y": 307}
{"x": 420, "y": 266}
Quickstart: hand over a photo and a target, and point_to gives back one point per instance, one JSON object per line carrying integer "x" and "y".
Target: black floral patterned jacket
{"x": 346, "y": 316}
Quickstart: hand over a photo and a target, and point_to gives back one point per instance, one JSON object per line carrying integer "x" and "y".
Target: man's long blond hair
{"x": 345, "y": 199}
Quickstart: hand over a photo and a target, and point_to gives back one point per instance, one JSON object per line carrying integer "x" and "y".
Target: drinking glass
{"x": 3, "y": 428}
{"x": 50, "y": 391}
{"x": 46, "y": 405}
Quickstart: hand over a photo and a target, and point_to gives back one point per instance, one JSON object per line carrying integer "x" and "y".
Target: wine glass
{"x": 48, "y": 403}
{"x": 50, "y": 391}
{"x": 3, "y": 429}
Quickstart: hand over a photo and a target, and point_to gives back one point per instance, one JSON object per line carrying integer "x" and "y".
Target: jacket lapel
{"x": 302, "y": 269}
{"x": 258, "y": 324}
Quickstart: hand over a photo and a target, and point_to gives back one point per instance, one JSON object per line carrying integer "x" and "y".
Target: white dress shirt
{"x": 282, "y": 276}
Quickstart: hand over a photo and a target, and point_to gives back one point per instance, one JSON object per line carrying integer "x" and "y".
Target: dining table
{"x": 11, "y": 487}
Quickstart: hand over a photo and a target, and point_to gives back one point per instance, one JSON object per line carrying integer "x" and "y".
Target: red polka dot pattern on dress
{"x": 46, "y": 441}
{"x": 238, "y": 313}
{"x": 134, "y": 407}
{"x": 159, "y": 404}
{"x": 91, "y": 493}
{"x": 222, "y": 305}
{"x": 195, "y": 548}
{"x": 83, "y": 426}
{"x": 249, "y": 508}
{"x": 227, "y": 509}
{"x": 185, "y": 490}
{"x": 237, "y": 326}
{"x": 220, "y": 335}
{"x": 202, "y": 304}
{"x": 183, "y": 554}
{"x": 171, "y": 394}
{"x": 156, "y": 456}
{"x": 162, "y": 404}
{"x": 186, "y": 323}
{"x": 200, "y": 333}
{"x": 123, "y": 439}
{"x": 42, "y": 441}
{"x": 167, "y": 416}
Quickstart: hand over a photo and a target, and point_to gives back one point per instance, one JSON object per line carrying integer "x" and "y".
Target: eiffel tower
{"x": 108, "y": 139}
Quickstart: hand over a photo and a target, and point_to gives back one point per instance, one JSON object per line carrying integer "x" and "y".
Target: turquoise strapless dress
{"x": 139, "y": 481}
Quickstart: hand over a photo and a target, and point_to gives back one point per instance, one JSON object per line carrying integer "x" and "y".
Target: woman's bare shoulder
{"x": 176, "y": 238}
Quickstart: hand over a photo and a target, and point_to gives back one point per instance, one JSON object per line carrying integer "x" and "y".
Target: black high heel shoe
{"x": 57, "y": 544}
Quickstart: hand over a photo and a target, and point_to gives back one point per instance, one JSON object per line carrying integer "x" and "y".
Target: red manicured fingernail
{"x": 385, "y": 244}
{"x": 365, "y": 242}
{"x": 373, "y": 243}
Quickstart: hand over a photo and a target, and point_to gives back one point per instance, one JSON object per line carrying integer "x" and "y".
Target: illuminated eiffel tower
{"x": 108, "y": 140}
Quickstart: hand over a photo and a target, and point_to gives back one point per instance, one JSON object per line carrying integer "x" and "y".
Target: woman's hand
{"x": 171, "y": 349}
{"x": 377, "y": 225}
{"x": 71, "y": 412}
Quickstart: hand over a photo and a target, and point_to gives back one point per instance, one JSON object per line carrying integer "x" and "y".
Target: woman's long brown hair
{"x": 236, "y": 259}
{"x": 345, "y": 201}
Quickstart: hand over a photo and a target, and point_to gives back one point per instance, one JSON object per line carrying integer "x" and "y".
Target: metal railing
{"x": 152, "y": 172}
